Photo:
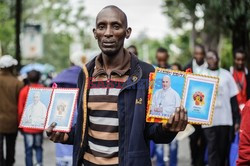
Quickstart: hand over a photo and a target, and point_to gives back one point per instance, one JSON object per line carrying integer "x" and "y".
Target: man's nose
{"x": 108, "y": 32}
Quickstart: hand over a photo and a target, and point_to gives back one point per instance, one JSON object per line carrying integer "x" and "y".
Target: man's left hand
{"x": 178, "y": 121}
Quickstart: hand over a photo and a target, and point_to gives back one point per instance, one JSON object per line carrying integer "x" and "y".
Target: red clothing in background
{"x": 240, "y": 79}
{"x": 21, "y": 104}
{"x": 244, "y": 145}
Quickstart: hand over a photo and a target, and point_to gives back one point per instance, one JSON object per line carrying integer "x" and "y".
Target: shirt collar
{"x": 120, "y": 70}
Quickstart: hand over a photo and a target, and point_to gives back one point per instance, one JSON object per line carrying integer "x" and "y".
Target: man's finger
{"x": 181, "y": 120}
{"x": 185, "y": 120}
{"x": 50, "y": 129}
{"x": 52, "y": 136}
{"x": 176, "y": 119}
{"x": 171, "y": 119}
{"x": 57, "y": 137}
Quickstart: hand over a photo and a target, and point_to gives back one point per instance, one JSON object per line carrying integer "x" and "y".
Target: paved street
{"x": 49, "y": 153}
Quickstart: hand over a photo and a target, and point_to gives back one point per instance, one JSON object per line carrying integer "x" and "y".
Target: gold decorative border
{"x": 166, "y": 71}
{"x": 213, "y": 98}
{"x": 161, "y": 119}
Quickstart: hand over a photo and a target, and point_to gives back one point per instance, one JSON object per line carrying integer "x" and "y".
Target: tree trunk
{"x": 241, "y": 35}
{"x": 18, "y": 30}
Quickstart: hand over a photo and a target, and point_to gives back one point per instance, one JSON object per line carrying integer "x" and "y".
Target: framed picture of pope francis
{"x": 167, "y": 93}
{"x": 35, "y": 110}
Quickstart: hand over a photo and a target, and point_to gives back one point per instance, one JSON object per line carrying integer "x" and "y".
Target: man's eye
{"x": 100, "y": 27}
{"x": 116, "y": 27}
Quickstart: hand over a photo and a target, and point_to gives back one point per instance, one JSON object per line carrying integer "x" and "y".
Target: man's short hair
{"x": 215, "y": 53}
{"x": 161, "y": 49}
{"x": 240, "y": 50}
{"x": 201, "y": 47}
{"x": 34, "y": 76}
{"x": 118, "y": 9}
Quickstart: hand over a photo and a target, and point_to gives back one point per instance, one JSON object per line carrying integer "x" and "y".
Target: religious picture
{"x": 199, "y": 98}
{"x": 169, "y": 89}
{"x": 62, "y": 109}
{"x": 36, "y": 107}
{"x": 167, "y": 93}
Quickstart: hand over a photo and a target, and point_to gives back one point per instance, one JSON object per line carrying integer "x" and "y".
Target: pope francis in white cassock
{"x": 36, "y": 111}
{"x": 166, "y": 99}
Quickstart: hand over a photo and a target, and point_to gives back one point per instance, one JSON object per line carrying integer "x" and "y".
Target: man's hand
{"x": 55, "y": 136}
{"x": 178, "y": 121}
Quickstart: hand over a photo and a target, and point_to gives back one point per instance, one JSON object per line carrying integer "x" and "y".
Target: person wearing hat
{"x": 10, "y": 88}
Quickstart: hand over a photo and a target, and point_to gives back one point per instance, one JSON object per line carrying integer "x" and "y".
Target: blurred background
{"x": 46, "y": 31}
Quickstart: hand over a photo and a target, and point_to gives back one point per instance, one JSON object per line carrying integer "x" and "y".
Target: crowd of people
{"x": 110, "y": 128}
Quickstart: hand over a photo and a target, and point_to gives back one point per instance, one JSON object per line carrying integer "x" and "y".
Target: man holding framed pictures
{"x": 111, "y": 127}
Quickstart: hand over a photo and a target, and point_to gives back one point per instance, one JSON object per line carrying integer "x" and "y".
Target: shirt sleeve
{"x": 233, "y": 89}
{"x": 21, "y": 103}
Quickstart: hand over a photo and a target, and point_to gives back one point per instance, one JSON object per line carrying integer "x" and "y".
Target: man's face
{"x": 36, "y": 98}
{"x": 239, "y": 61}
{"x": 162, "y": 59}
{"x": 212, "y": 60}
{"x": 199, "y": 55}
{"x": 111, "y": 30}
{"x": 166, "y": 83}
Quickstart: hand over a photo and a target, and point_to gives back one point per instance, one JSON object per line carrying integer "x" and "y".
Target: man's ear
{"x": 128, "y": 32}
{"x": 94, "y": 32}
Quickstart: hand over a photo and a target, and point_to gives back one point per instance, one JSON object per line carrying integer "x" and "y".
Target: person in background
{"x": 133, "y": 50}
{"x": 244, "y": 144}
{"x": 226, "y": 113}
{"x": 176, "y": 66}
{"x": 162, "y": 58}
{"x": 241, "y": 77}
{"x": 33, "y": 138}
{"x": 197, "y": 65}
{"x": 68, "y": 79}
{"x": 10, "y": 87}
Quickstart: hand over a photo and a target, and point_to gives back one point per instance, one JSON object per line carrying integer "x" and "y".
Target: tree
{"x": 7, "y": 30}
{"x": 229, "y": 18}
{"x": 62, "y": 23}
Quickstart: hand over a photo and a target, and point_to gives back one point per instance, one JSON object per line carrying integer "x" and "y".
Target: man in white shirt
{"x": 197, "y": 140}
{"x": 166, "y": 100}
{"x": 36, "y": 111}
{"x": 225, "y": 114}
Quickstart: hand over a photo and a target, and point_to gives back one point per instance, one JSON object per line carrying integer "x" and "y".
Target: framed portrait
{"x": 170, "y": 89}
{"x": 166, "y": 95}
{"x": 35, "y": 110}
{"x": 199, "y": 98}
{"x": 61, "y": 111}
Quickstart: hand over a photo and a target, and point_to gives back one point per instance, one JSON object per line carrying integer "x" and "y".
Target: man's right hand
{"x": 55, "y": 136}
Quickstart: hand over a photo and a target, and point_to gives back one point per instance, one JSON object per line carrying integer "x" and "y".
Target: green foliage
{"x": 7, "y": 30}
{"x": 226, "y": 54}
{"x": 57, "y": 50}
{"x": 61, "y": 23}
{"x": 182, "y": 55}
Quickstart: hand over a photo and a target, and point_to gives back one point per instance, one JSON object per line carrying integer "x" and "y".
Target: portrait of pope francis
{"x": 165, "y": 100}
